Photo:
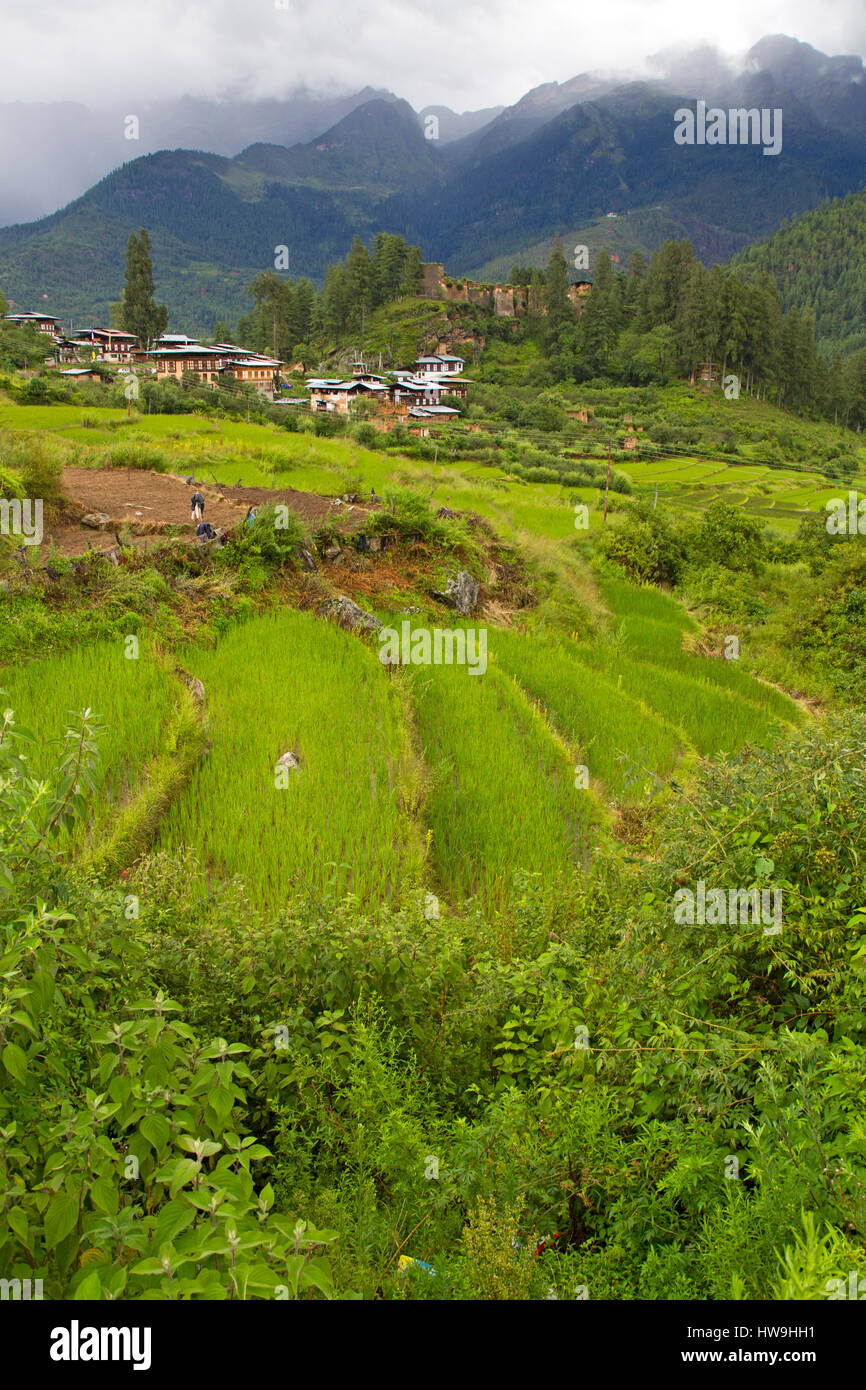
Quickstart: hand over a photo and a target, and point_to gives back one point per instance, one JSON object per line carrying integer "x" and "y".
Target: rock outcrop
{"x": 347, "y": 613}
{"x": 461, "y": 593}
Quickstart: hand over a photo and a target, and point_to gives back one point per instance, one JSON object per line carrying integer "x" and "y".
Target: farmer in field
{"x": 205, "y": 531}
{"x": 251, "y": 516}
{"x": 197, "y": 505}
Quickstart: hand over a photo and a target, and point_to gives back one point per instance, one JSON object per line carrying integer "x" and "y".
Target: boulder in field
{"x": 461, "y": 593}
{"x": 97, "y": 521}
{"x": 307, "y": 561}
{"x": 194, "y": 685}
{"x": 350, "y": 616}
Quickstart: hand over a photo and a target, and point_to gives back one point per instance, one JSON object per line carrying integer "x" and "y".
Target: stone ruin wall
{"x": 506, "y": 301}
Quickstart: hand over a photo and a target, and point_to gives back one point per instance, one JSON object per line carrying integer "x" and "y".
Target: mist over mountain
{"x": 558, "y": 162}
{"x": 70, "y": 146}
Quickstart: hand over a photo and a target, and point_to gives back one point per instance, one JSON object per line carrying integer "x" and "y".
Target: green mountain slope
{"x": 818, "y": 262}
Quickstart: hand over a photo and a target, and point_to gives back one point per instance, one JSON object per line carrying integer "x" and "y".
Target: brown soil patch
{"x": 151, "y": 501}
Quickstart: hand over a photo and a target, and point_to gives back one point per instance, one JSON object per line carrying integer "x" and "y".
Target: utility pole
{"x": 607, "y": 481}
{"x": 656, "y": 498}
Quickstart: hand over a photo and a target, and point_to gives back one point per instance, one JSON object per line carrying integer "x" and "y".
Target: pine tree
{"x": 334, "y": 301}
{"x": 140, "y": 313}
{"x": 635, "y": 290}
{"x": 359, "y": 282}
{"x": 301, "y": 313}
{"x": 600, "y": 318}
{"x": 274, "y": 296}
{"x": 556, "y": 301}
{"x": 413, "y": 274}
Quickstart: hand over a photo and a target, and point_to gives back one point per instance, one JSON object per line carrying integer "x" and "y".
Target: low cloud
{"x": 481, "y": 53}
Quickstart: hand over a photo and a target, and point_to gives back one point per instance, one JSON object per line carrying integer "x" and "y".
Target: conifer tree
{"x": 413, "y": 275}
{"x": 140, "y": 313}
{"x": 556, "y": 302}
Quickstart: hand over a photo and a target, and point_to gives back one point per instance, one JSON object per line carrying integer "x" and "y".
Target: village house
{"x": 103, "y": 345}
{"x": 220, "y": 361}
{"x": 255, "y": 368}
{"x": 438, "y": 365}
{"x": 334, "y": 393}
{"x": 43, "y": 323}
{"x": 408, "y": 397}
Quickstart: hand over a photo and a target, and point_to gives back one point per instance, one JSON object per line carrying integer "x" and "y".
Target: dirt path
{"x": 154, "y": 500}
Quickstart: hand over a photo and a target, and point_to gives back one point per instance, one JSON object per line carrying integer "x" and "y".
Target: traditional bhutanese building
{"x": 43, "y": 323}
{"x": 105, "y": 344}
{"x": 335, "y": 393}
{"x": 438, "y": 364}
{"x": 220, "y": 361}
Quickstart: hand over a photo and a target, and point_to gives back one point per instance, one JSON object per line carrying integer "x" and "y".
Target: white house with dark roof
{"x": 439, "y": 364}
{"x": 43, "y": 323}
{"x": 105, "y": 344}
{"x": 335, "y": 393}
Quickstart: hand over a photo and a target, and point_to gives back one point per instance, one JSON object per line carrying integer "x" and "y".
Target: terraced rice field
{"x": 503, "y": 796}
{"x": 289, "y": 682}
{"x": 131, "y": 701}
{"x": 610, "y": 730}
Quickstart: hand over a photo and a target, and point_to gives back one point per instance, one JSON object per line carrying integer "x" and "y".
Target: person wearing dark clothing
{"x": 205, "y": 531}
{"x": 196, "y": 503}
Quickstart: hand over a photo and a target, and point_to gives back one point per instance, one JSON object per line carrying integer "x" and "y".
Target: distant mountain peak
{"x": 369, "y": 120}
{"x": 791, "y": 60}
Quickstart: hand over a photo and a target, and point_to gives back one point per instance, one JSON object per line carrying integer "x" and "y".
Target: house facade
{"x": 217, "y": 363}
{"x": 43, "y": 323}
{"x": 438, "y": 364}
{"x": 104, "y": 344}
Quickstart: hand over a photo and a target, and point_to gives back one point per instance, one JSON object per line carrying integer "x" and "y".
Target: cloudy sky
{"x": 462, "y": 53}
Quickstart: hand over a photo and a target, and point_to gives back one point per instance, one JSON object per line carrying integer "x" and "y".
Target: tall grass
{"x": 648, "y": 626}
{"x": 713, "y": 718}
{"x": 503, "y": 795}
{"x": 288, "y": 682}
{"x": 131, "y": 699}
{"x": 611, "y": 731}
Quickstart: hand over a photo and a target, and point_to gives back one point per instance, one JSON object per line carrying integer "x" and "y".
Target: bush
{"x": 38, "y": 468}
{"x": 726, "y": 536}
{"x": 645, "y": 546}
{"x": 274, "y": 536}
{"x": 327, "y": 423}
{"x": 140, "y": 456}
{"x": 367, "y": 434}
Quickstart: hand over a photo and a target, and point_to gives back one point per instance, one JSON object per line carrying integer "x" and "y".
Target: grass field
{"x": 230, "y": 451}
{"x": 131, "y": 701}
{"x": 486, "y": 765}
{"x": 610, "y": 730}
{"x": 503, "y": 796}
{"x": 283, "y": 683}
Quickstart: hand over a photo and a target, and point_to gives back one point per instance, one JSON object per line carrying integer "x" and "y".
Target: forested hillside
{"x": 215, "y": 221}
{"x": 818, "y": 263}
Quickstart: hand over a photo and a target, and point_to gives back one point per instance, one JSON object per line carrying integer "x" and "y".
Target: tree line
{"x": 286, "y": 314}
{"x": 672, "y": 317}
